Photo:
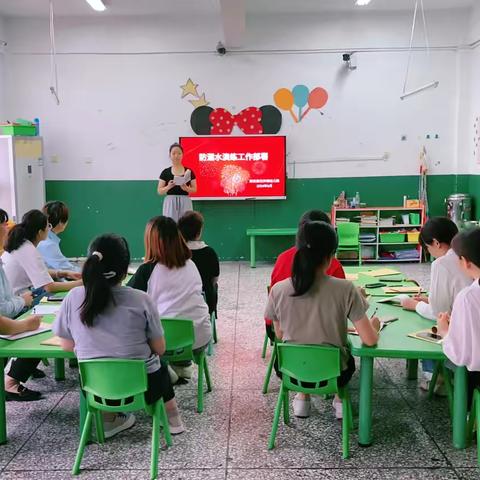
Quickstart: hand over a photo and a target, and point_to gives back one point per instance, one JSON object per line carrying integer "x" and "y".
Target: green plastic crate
{"x": 392, "y": 237}
{"x": 19, "y": 130}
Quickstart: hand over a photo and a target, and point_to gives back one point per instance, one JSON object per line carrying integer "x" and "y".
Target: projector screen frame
{"x": 272, "y": 197}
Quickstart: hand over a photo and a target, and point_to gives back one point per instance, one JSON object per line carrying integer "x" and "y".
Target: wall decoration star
{"x": 189, "y": 88}
{"x": 201, "y": 102}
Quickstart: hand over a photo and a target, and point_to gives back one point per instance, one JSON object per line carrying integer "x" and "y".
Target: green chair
{"x": 180, "y": 337}
{"x": 213, "y": 323}
{"x": 447, "y": 381}
{"x": 117, "y": 385}
{"x": 266, "y": 339}
{"x": 271, "y": 362}
{"x": 314, "y": 364}
{"x": 349, "y": 238}
{"x": 474, "y": 418}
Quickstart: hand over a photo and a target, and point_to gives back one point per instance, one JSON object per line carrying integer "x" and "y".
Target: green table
{"x": 30, "y": 348}
{"x": 266, "y": 232}
{"x": 395, "y": 343}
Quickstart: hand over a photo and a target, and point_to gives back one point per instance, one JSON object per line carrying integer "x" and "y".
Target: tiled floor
{"x": 412, "y": 434}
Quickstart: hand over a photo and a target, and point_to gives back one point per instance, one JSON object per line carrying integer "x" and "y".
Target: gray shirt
{"x": 319, "y": 317}
{"x": 10, "y": 305}
{"x": 121, "y": 331}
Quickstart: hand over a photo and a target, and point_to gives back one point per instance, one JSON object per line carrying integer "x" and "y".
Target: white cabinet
{"x": 22, "y": 184}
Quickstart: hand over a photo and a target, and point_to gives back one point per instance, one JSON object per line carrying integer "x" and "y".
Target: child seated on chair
{"x": 461, "y": 329}
{"x": 104, "y": 319}
{"x": 173, "y": 282}
{"x": 203, "y": 256}
{"x": 447, "y": 280}
{"x": 313, "y": 307}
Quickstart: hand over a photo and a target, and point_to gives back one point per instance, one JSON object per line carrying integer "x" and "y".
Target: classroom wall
{"x": 119, "y": 87}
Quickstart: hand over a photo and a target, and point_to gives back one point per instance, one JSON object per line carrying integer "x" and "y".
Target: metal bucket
{"x": 459, "y": 208}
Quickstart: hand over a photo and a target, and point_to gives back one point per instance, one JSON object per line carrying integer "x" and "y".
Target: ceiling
{"x": 39, "y": 8}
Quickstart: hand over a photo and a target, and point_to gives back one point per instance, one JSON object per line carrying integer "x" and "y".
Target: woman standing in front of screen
{"x": 176, "y": 183}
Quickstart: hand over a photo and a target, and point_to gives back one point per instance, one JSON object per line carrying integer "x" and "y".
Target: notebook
{"x": 44, "y": 327}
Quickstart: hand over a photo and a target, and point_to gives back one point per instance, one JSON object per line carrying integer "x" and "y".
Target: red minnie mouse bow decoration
{"x": 265, "y": 120}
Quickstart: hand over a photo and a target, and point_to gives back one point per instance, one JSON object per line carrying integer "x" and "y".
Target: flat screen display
{"x": 236, "y": 168}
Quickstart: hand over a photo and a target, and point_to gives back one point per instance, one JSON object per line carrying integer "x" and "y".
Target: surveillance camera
{"x": 3, "y": 43}
{"x": 221, "y": 50}
{"x": 350, "y": 60}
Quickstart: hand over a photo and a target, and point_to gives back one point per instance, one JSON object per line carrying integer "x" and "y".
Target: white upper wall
{"x": 3, "y": 37}
{"x": 120, "y": 111}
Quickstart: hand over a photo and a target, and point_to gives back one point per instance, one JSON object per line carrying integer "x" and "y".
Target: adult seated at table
{"x": 283, "y": 266}
{"x": 312, "y": 308}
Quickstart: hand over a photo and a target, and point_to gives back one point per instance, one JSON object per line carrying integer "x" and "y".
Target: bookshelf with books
{"x": 387, "y": 234}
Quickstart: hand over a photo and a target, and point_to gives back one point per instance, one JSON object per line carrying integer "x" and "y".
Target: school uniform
{"x": 206, "y": 260}
{"x": 320, "y": 316}
{"x": 121, "y": 331}
{"x": 176, "y": 202}
{"x": 52, "y": 255}
{"x": 462, "y": 343}
{"x": 25, "y": 268}
{"x": 177, "y": 293}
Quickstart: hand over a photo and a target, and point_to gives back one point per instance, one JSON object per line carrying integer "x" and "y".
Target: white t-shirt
{"x": 447, "y": 281}
{"x": 462, "y": 342}
{"x": 25, "y": 268}
{"x": 178, "y": 294}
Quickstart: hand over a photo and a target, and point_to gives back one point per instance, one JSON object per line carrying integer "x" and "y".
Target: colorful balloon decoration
{"x": 300, "y": 96}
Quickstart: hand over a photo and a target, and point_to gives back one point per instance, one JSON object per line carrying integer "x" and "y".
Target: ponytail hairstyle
{"x": 320, "y": 245}
{"x": 106, "y": 266}
{"x": 32, "y": 222}
{"x": 164, "y": 243}
{"x": 57, "y": 212}
{"x": 309, "y": 216}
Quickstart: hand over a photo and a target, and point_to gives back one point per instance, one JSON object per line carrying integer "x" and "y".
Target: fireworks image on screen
{"x": 234, "y": 179}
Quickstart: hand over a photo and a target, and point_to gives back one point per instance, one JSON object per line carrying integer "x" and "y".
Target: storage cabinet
{"x": 22, "y": 184}
{"x": 389, "y": 234}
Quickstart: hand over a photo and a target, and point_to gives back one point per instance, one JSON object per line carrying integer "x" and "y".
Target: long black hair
{"x": 32, "y": 222}
{"x": 320, "y": 245}
{"x": 106, "y": 265}
{"x": 309, "y": 216}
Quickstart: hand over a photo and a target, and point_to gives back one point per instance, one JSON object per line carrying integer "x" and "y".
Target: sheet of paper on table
{"x": 381, "y": 272}
{"x": 46, "y": 309}
{"x": 413, "y": 289}
{"x": 53, "y": 342}
{"x": 44, "y": 327}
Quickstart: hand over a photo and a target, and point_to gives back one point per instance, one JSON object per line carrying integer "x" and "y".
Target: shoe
{"x": 175, "y": 425}
{"x": 338, "y": 407}
{"x": 23, "y": 394}
{"x": 183, "y": 372}
{"x": 301, "y": 407}
{"x": 123, "y": 421}
{"x": 37, "y": 373}
{"x": 173, "y": 375}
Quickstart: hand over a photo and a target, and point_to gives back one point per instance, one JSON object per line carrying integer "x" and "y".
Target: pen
{"x": 375, "y": 311}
